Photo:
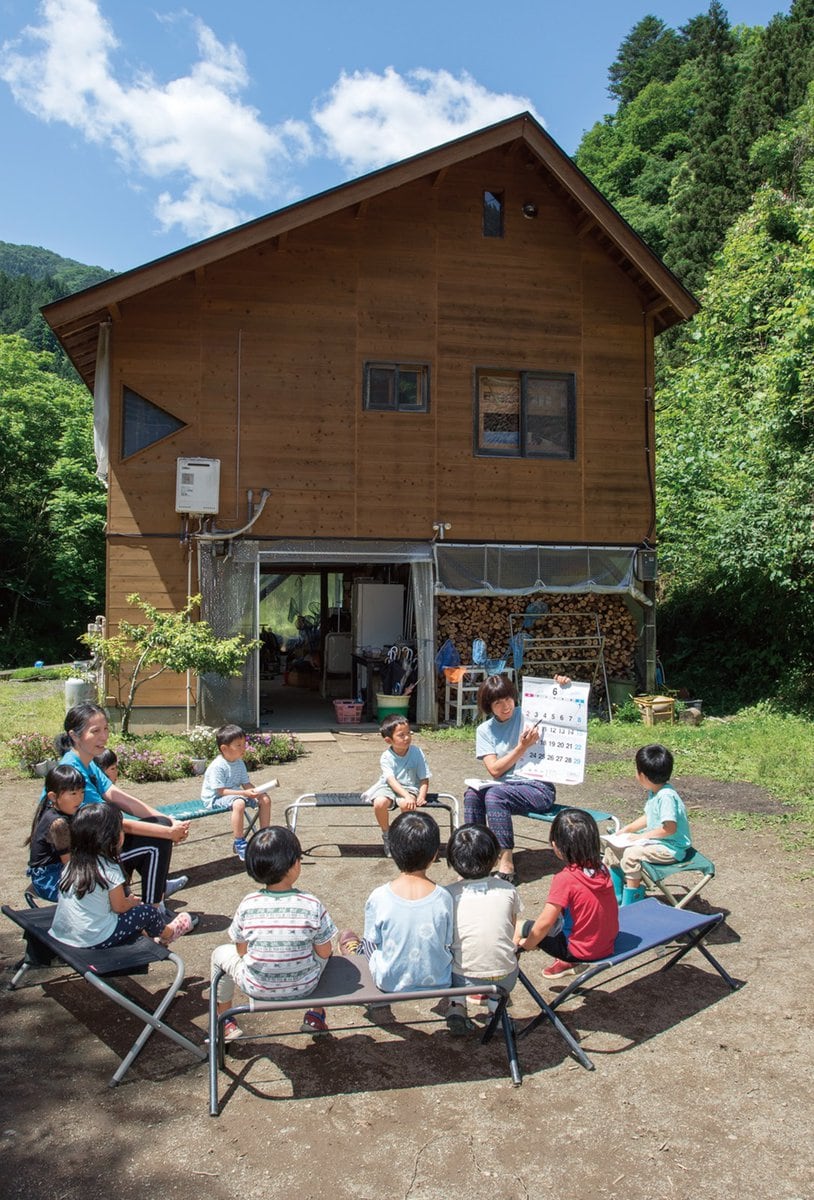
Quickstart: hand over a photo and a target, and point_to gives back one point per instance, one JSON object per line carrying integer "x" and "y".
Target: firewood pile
{"x": 462, "y": 619}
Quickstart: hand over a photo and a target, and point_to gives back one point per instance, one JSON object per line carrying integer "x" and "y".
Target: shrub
{"x": 140, "y": 763}
{"x": 31, "y": 748}
{"x": 264, "y": 749}
{"x": 202, "y": 742}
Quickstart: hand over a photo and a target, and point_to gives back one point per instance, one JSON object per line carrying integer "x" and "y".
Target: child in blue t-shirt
{"x": 409, "y": 922}
{"x": 661, "y": 835}
{"x": 404, "y": 778}
{"x": 226, "y": 786}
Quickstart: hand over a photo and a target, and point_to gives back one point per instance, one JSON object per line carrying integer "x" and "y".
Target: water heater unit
{"x": 197, "y": 486}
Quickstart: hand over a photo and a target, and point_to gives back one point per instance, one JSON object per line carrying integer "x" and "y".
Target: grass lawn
{"x": 756, "y": 745}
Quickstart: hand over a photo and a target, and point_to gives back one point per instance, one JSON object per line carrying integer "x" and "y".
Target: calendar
{"x": 559, "y": 756}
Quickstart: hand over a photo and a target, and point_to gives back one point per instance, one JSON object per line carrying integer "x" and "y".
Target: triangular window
{"x": 144, "y": 423}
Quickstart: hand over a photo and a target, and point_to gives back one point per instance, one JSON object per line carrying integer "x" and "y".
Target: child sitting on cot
{"x": 661, "y": 835}
{"x": 226, "y": 786}
{"x": 584, "y": 890}
{"x": 404, "y": 779}
{"x": 486, "y": 909}
{"x": 50, "y": 837}
{"x": 281, "y": 935}
{"x": 408, "y": 923}
{"x": 93, "y": 908}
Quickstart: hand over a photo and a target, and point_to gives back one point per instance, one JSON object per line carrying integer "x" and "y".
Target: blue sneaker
{"x": 239, "y": 846}
{"x": 175, "y": 885}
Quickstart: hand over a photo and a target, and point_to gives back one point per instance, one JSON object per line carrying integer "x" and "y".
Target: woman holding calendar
{"x": 501, "y": 740}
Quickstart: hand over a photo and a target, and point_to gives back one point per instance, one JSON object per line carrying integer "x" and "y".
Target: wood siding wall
{"x": 262, "y": 356}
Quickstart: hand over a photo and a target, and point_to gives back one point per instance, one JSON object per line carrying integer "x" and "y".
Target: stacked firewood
{"x": 462, "y": 619}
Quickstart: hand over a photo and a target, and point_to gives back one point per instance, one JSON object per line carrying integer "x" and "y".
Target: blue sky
{"x": 131, "y": 129}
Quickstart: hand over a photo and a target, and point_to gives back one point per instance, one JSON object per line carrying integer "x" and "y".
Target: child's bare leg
{"x": 381, "y": 811}
{"x": 238, "y": 812}
{"x": 264, "y": 809}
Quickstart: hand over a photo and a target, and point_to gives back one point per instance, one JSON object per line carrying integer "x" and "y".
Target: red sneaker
{"x": 559, "y": 967}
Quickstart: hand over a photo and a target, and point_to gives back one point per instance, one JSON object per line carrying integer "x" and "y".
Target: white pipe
{"x": 223, "y": 535}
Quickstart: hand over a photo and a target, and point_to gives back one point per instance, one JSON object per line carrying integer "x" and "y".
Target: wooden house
{"x": 440, "y": 373}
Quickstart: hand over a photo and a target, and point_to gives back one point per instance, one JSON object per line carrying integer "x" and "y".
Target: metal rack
{"x": 580, "y": 654}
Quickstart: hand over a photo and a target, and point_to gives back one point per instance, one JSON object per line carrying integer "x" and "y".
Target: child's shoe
{"x": 349, "y": 942}
{"x": 557, "y": 968}
{"x": 179, "y": 925}
{"x": 631, "y": 895}
{"x": 239, "y": 846}
{"x": 314, "y": 1023}
{"x": 231, "y": 1030}
{"x": 458, "y": 1023}
{"x": 386, "y": 843}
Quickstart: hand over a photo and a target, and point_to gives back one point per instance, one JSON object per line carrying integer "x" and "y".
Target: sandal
{"x": 314, "y": 1023}
{"x": 509, "y": 877}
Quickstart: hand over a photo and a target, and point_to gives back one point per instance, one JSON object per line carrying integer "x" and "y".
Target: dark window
{"x": 493, "y": 214}
{"x": 525, "y": 414}
{"x": 397, "y": 387}
{"x": 144, "y": 423}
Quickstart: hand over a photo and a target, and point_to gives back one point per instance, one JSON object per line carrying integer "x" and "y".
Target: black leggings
{"x": 150, "y": 858}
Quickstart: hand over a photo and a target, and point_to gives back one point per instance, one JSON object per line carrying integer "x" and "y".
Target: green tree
{"x": 52, "y": 509}
{"x": 650, "y": 51}
{"x": 168, "y": 641}
{"x": 735, "y": 479}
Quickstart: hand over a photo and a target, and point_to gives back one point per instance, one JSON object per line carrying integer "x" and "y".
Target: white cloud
{"x": 369, "y": 120}
{"x": 194, "y": 127}
{"x": 213, "y": 157}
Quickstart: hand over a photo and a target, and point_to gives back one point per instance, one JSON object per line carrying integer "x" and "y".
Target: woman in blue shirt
{"x": 149, "y": 836}
{"x": 500, "y": 742}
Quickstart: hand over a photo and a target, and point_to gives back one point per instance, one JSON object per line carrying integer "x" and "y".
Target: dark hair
{"x": 472, "y": 851}
{"x": 228, "y": 734}
{"x": 414, "y": 840}
{"x": 77, "y": 719}
{"x": 655, "y": 762}
{"x": 61, "y": 778}
{"x": 390, "y": 724}
{"x": 95, "y": 833}
{"x": 108, "y": 758}
{"x": 576, "y": 836}
{"x": 271, "y": 853}
{"x": 496, "y": 687}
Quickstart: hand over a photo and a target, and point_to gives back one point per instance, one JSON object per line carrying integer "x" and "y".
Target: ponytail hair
{"x": 77, "y": 719}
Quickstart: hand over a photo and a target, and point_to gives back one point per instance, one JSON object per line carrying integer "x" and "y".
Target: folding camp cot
{"x": 347, "y": 981}
{"x": 435, "y": 800}
{"x": 98, "y": 967}
{"x": 194, "y": 809}
{"x": 643, "y": 927}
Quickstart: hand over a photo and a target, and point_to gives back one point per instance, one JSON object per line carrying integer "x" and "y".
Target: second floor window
{"x": 397, "y": 387}
{"x": 525, "y": 414}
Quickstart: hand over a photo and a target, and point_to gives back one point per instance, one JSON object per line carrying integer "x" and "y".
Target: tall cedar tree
{"x": 708, "y": 191}
{"x": 650, "y": 51}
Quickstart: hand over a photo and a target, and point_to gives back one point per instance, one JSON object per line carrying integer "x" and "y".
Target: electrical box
{"x": 197, "y": 486}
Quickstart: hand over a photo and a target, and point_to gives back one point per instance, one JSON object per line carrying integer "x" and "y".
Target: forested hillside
{"x": 709, "y": 154}
{"x": 31, "y": 277}
{"x": 52, "y": 507}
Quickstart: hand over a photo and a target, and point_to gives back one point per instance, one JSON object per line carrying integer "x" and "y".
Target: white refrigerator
{"x": 377, "y": 611}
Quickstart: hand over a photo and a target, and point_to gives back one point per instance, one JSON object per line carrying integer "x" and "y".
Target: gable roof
{"x": 75, "y": 320}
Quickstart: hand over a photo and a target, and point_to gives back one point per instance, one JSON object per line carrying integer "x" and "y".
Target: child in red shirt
{"x": 584, "y": 889}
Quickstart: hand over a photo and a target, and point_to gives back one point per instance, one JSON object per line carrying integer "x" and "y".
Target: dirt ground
{"x": 697, "y": 1091}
